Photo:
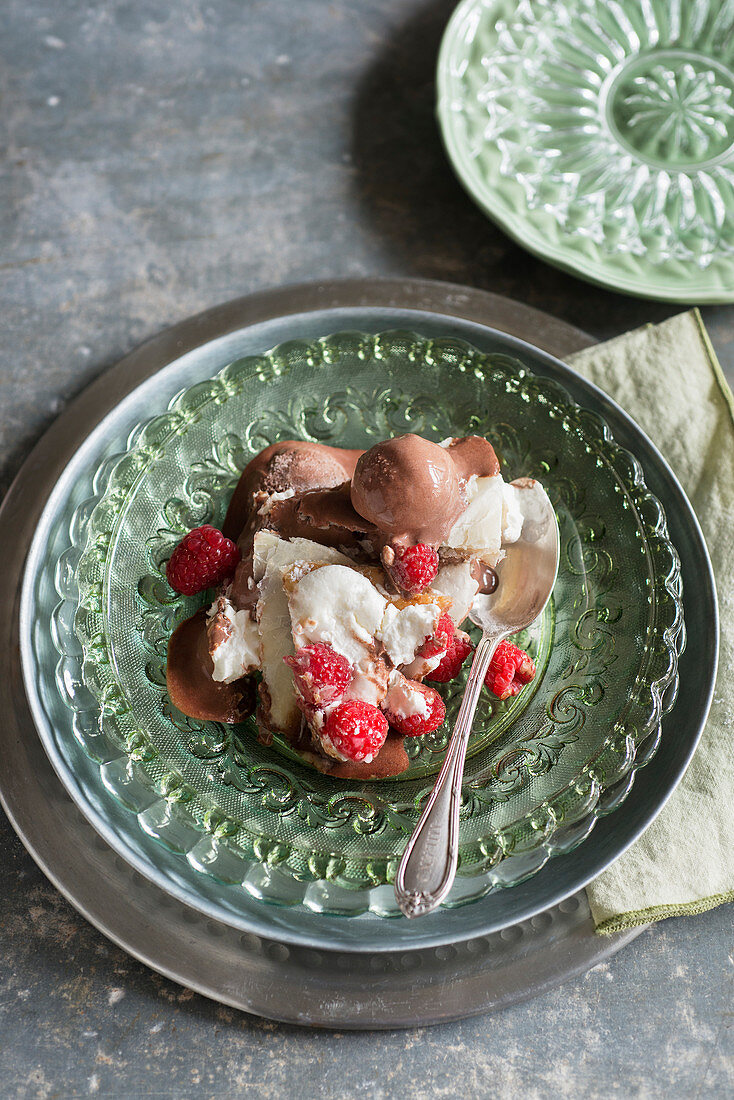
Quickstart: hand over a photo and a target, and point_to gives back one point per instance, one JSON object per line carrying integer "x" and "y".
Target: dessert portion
{"x": 344, "y": 578}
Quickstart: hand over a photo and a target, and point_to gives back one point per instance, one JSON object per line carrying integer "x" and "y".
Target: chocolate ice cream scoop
{"x": 409, "y": 489}
{"x": 473, "y": 454}
{"x": 291, "y": 464}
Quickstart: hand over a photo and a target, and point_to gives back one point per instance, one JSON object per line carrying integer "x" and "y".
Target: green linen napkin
{"x": 668, "y": 379}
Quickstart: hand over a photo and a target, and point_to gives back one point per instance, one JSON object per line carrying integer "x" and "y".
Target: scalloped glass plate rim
{"x": 520, "y": 227}
{"x": 606, "y": 436}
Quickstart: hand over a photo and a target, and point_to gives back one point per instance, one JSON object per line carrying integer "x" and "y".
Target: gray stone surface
{"x": 159, "y": 158}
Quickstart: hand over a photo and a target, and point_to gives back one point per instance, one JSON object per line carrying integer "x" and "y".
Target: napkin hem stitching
{"x": 660, "y": 912}
{"x": 715, "y": 364}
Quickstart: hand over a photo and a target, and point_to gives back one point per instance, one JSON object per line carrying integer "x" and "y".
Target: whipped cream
{"x": 457, "y": 583}
{"x": 234, "y": 641}
{"x": 404, "y": 630}
{"x": 478, "y": 530}
{"x": 530, "y": 498}
{"x": 421, "y": 666}
{"x": 404, "y": 698}
{"x": 336, "y": 605}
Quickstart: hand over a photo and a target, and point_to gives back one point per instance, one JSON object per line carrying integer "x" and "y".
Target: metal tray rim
{"x": 377, "y": 288}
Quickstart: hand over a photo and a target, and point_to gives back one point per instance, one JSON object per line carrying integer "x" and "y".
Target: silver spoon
{"x": 526, "y": 577}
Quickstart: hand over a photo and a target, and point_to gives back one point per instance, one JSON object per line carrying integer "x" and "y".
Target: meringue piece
{"x": 234, "y": 641}
{"x": 421, "y": 666}
{"x": 272, "y": 498}
{"x": 478, "y": 530}
{"x": 337, "y": 605}
{"x": 531, "y": 500}
{"x": 263, "y": 546}
{"x": 403, "y": 698}
{"x": 404, "y": 630}
{"x": 457, "y": 583}
{"x": 289, "y": 552}
{"x": 512, "y": 517}
{"x": 272, "y": 557}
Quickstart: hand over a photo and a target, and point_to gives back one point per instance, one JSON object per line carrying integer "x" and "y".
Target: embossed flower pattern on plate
{"x": 680, "y": 116}
{"x": 606, "y": 129}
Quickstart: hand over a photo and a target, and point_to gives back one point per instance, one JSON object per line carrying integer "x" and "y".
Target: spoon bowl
{"x": 528, "y": 571}
{"x": 526, "y": 577}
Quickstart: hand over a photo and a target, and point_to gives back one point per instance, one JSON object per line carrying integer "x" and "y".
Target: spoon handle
{"x": 428, "y": 865}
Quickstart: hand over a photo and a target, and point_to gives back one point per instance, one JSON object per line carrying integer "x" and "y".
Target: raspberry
{"x": 356, "y": 730}
{"x": 321, "y": 674}
{"x": 509, "y": 670}
{"x": 458, "y": 650}
{"x": 440, "y": 641}
{"x": 413, "y": 725}
{"x": 202, "y": 559}
{"x": 413, "y": 567}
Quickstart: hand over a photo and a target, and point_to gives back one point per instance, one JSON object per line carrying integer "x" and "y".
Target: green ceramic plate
{"x": 600, "y": 135}
{"x": 606, "y": 647}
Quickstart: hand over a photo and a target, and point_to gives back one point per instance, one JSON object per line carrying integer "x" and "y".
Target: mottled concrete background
{"x": 159, "y": 158}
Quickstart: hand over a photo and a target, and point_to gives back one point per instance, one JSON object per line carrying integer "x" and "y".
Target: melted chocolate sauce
{"x": 485, "y": 577}
{"x": 189, "y": 678}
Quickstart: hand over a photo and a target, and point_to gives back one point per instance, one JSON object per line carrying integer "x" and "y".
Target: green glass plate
{"x": 600, "y": 135}
{"x": 606, "y": 647}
